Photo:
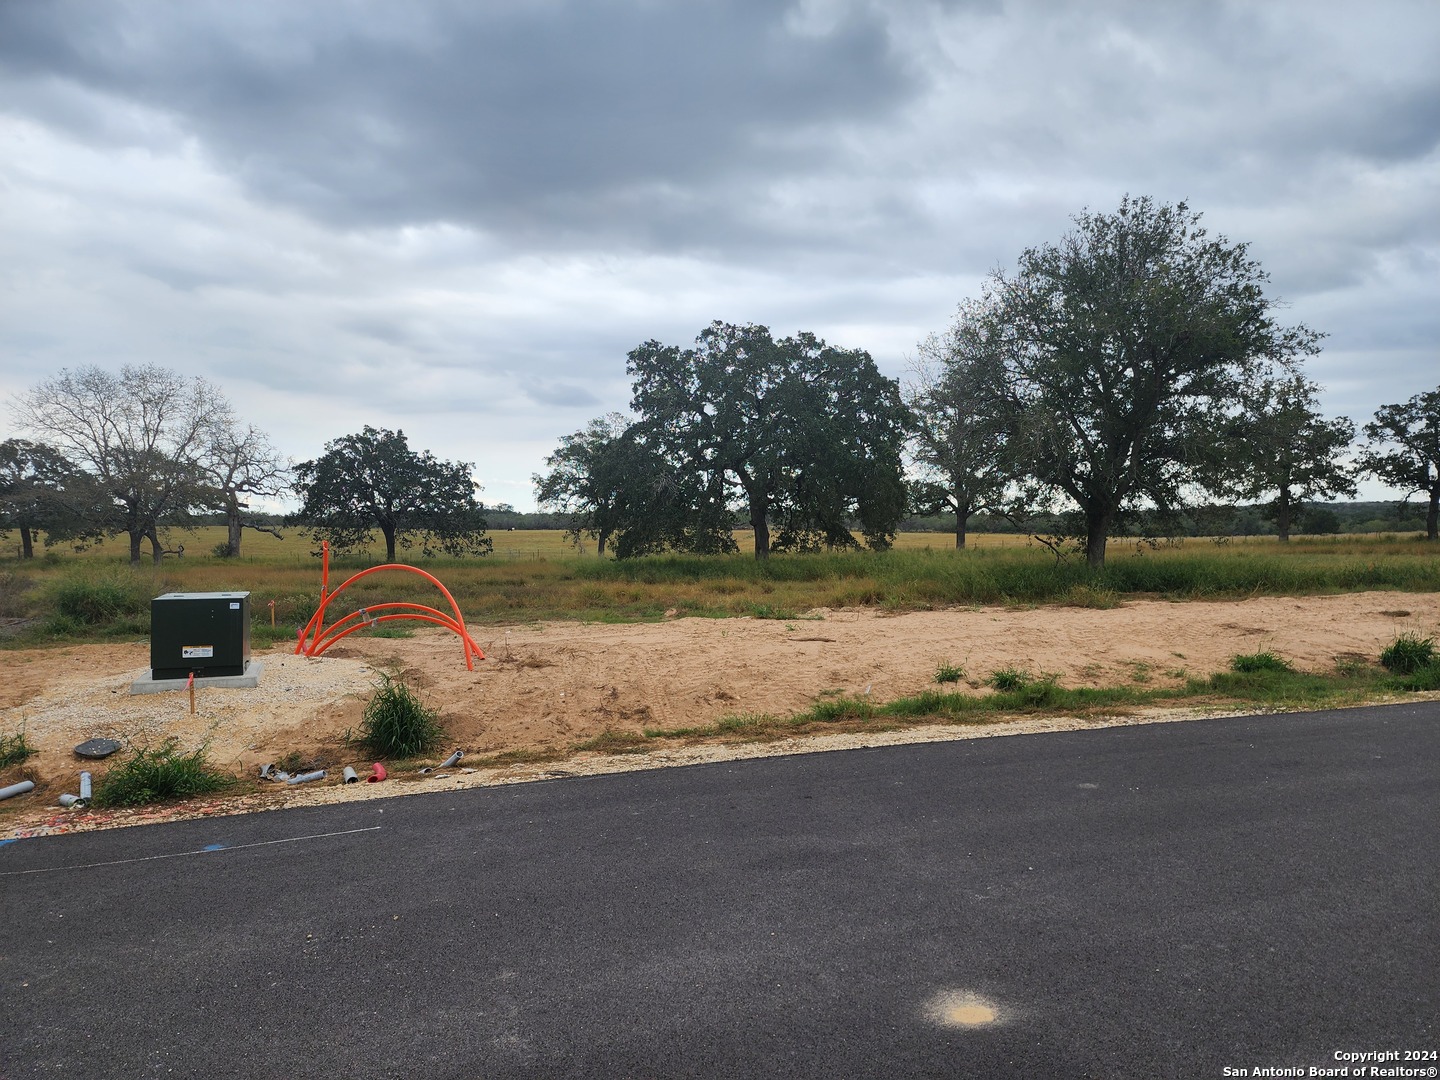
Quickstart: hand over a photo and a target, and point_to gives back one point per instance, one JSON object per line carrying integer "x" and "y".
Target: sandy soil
{"x": 553, "y": 684}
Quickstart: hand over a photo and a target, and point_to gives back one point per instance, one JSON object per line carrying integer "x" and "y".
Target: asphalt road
{"x": 1159, "y": 901}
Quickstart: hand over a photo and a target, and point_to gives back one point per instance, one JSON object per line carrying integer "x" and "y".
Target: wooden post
{"x": 191, "y": 684}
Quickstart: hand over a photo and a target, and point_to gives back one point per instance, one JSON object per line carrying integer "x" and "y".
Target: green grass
{"x": 396, "y": 723}
{"x": 1408, "y": 654}
{"x": 14, "y": 749}
{"x": 1249, "y": 663}
{"x": 535, "y": 576}
{"x": 149, "y": 776}
{"x": 949, "y": 673}
{"x": 1008, "y": 679}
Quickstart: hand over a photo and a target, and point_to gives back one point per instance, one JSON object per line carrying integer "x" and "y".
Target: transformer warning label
{"x": 197, "y": 652}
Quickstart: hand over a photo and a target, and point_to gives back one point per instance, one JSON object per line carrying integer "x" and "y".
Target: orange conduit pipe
{"x": 323, "y": 638}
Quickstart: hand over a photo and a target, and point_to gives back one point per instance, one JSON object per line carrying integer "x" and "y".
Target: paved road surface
{"x": 1160, "y": 901}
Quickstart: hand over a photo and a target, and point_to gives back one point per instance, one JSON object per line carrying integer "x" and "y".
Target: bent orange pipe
{"x": 323, "y": 639}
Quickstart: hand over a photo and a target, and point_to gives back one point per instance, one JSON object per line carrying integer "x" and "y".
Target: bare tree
{"x": 241, "y": 463}
{"x": 142, "y": 435}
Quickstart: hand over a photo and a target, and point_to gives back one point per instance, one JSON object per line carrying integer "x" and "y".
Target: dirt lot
{"x": 554, "y": 684}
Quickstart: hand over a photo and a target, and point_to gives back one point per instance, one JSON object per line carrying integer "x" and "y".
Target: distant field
{"x": 540, "y": 575}
{"x": 512, "y": 544}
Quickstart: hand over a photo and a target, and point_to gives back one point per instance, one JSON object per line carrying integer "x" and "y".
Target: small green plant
{"x": 163, "y": 773}
{"x": 14, "y": 749}
{"x": 396, "y": 723}
{"x": 1251, "y": 663}
{"x": 1407, "y": 654}
{"x": 949, "y": 673}
{"x": 1008, "y": 679}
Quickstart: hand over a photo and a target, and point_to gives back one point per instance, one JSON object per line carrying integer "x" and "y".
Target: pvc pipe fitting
{"x": 376, "y": 776}
{"x": 67, "y": 800}
{"x": 85, "y": 786}
{"x": 305, "y": 778}
{"x": 17, "y": 789}
{"x": 451, "y": 760}
{"x": 351, "y": 776}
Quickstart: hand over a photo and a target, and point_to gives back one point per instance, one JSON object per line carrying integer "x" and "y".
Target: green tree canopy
{"x": 373, "y": 480}
{"x": 41, "y": 490}
{"x": 1403, "y": 450}
{"x": 611, "y": 484}
{"x": 801, "y": 436}
{"x": 1286, "y": 452}
{"x": 1126, "y": 347}
{"x": 958, "y": 438}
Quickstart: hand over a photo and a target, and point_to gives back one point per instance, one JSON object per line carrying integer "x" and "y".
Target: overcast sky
{"x": 456, "y": 217}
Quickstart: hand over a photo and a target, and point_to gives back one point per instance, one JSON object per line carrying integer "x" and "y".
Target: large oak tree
{"x": 373, "y": 480}
{"x": 802, "y": 437}
{"x": 1127, "y": 346}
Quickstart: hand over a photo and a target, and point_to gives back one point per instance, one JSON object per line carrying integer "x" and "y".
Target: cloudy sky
{"x": 456, "y": 217}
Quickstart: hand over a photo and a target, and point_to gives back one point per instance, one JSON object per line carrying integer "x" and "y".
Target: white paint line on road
{"x": 211, "y": 850}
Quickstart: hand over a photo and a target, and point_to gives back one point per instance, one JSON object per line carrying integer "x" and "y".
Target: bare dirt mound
{"x": 550, "y": 685}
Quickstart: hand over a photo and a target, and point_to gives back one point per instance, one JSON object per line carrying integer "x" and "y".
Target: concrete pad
{"x": 248, "y": 681}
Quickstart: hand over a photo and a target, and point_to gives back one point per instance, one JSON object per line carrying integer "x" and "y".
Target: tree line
{"x": 1134, "y": 368}
{"x": 1132, "y": 371}
{"x": 147, "y": 449}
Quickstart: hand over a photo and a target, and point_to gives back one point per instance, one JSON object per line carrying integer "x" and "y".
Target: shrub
{"x": 79, "y": 602}
{"x": 1251, "y": 663}
{"x": 1408, "y": 653}
{"x": 14, "y": 749}
{"x": 1008, "y": 679}
{"x": 396, "y": 723}
{"x": 949, "y": 673}
{"x": 164, "y": 773}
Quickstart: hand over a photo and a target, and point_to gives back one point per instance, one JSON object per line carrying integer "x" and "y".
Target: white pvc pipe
{"x": 305, "y": 778}
{"x": 17, "y": 789}
{"x": 85, "y": 786}
{"x": 68, "y": 800}
{"x": 351, "y": 776}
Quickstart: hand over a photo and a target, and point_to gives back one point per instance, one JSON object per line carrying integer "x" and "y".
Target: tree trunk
{"x": 388, "y": 530}
{"x": 27, "y": 542}
{"x": 1432, "y": 517}
{"x": 157, "y": 552}
{"x": 232, "y": 520}
{"x": 135, "y": 537}
{"x": 1282, "y": 515}
{"x": 1097, "y": 531}
{"x": 961, "y": 521}
{"x": 759, "y": 521}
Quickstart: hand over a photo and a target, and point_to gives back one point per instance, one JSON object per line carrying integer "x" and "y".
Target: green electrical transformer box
{"x": 207, "y": 633}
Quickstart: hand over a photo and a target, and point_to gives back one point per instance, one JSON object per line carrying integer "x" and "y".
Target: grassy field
{"x": 539, "y": 575}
